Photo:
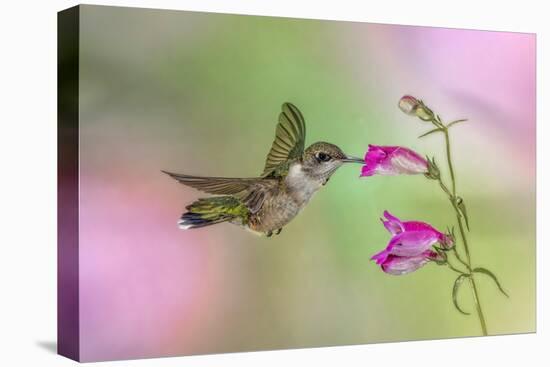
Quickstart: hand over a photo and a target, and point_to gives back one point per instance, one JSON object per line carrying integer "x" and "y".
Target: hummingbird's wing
{"x": 290, "y": 137}
{"x": 251, "y": 191}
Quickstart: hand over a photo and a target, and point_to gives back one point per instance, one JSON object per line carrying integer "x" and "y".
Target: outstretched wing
{"x": 290, "y": 137}
{"x": 251, "y": 191}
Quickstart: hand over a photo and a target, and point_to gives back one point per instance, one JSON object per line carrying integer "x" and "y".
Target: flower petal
{"x": 400, "y": 265}
{"x": 392, "y": 224}
{"x": 411, "y": 243}
{"x": 418, "y": 226}
{"x": 368, "y": 171}
{"x": 406, "y": 161}
{"x": 380, "y": 257}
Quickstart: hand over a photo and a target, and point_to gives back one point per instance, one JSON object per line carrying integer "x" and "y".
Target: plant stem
{"x": 478, "y": 304}
{"x": 459, "y": 257}
{"x": 455, "y": 269}
{"x": 471, "y": 277}
{"x": 468, "y": 262}
{"x": 449, "y": 162}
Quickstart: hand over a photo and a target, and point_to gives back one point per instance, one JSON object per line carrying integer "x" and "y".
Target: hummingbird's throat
{"x": 301, "y": 184}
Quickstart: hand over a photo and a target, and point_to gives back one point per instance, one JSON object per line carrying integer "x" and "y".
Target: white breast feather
{"x": 302, "y": 186}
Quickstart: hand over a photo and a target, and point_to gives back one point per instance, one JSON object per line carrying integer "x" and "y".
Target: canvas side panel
{"x": 67, "y": 185}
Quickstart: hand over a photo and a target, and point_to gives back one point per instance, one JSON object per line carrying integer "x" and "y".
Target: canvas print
{"x": 235, "y": 183}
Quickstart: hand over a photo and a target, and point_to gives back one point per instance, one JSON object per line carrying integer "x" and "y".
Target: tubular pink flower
{"x": 391, "y": 161}
{"x": 410, "y": 246}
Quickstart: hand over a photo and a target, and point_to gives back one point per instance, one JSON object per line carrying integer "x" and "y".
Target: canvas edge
{"x": 68, "y": 315}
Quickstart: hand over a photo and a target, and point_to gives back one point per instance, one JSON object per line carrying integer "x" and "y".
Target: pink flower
{"x": 391, "y": 161}
{"x": 410, "y": 246}
{"x": 400, "y": 265}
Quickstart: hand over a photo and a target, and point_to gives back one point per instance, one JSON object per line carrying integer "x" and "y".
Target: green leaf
{"x": 456, "y": 122}
{"x": 489, "y": 273}
{"x": 456, "y": 287}
{"x": 430, "y": 132}
{"x": 462, "y": 207}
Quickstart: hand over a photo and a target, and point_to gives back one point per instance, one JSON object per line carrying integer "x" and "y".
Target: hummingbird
{"x": 265, "y": 204}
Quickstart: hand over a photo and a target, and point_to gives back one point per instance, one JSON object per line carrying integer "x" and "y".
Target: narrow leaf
{"x": 489, "y": 273}
{"x": 462, "y": 207}
{"x": 430, "y": 132}
{"x": 456, "y": 122}
{"x": 456, "y": 287}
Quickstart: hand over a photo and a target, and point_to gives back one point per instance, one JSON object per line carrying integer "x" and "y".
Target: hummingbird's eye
{"x": 323, "y": 157}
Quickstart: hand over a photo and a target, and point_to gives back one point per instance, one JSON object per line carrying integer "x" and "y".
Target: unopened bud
{"x": 439, "y": 257}
{"x": 433, "y": 169}
{"x": 448, "y": 240}
{"x": 415, "y": 107}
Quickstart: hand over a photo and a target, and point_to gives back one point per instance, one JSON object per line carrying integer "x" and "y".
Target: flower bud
{"x": 415, "y": 107}
{"x": 439, "y": 257}
{"x": 408, "y": 105}
{"x": 433, "y": 169}
{"x": 447, "y": 241}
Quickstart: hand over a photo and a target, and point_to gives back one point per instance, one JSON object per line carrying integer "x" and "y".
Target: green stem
{"x": 478, "y": 305}
{"x": 471, "y": 277}
{"x": 449, "y": 162}
{"x": 455, "y": 269}
{"x": 460, "y": 257}
{"x": 468, "y": 262}
{"x": 444, "y": 187}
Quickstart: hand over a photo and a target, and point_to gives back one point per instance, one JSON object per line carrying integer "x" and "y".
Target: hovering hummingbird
{"x": 267, "y": 203}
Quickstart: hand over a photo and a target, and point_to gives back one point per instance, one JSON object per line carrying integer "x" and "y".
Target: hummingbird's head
{"x": 321, "y": 160}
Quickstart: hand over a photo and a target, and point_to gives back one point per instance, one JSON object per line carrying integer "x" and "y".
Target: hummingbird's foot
{"x": 324, "y": 183}
{"x": 278, "y": 231}
{"x": 269, "y": 234}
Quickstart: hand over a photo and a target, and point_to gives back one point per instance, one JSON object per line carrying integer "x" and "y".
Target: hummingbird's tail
{"x": 207, "y": 211}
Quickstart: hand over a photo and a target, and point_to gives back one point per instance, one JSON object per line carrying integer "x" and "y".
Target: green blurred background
{"x": 200, "y": 93}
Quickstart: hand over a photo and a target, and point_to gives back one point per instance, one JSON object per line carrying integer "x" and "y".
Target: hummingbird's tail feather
{"x": 208, "y": 211}
{"x": 190, "y": 220}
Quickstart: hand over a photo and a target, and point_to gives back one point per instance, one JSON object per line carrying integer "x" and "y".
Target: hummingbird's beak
{"x": 350, "y": 159}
